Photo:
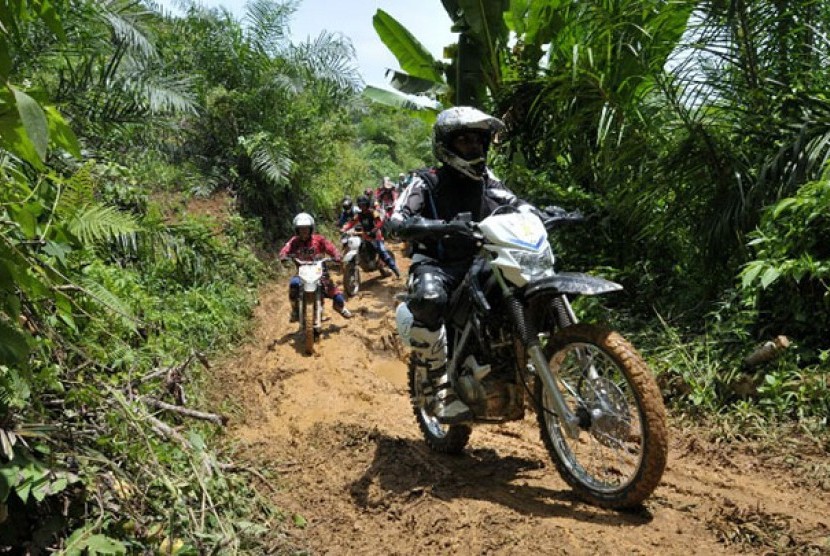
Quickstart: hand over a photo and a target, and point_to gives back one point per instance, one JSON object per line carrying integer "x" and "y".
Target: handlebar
{"x": 299, "y": 261}
{"x": 463, "y": 226}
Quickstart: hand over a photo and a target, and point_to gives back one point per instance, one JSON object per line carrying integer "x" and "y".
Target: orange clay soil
{"x": 335, "y": 434}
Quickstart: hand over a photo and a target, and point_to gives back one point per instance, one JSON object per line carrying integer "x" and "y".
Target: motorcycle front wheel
{"x": 445, "y": 439}
{"x": 351, "y": 281}
{"x": 307, "y": 322}
{"x": 618, "y": 455}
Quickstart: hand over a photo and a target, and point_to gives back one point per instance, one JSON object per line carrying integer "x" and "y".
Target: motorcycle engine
{"x": 488, "y": 394}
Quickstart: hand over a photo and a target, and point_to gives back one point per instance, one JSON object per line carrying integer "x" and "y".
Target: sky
{"x": 427, "y": 20}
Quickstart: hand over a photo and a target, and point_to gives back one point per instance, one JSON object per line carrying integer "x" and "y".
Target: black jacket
{"x": 442, "y": 194}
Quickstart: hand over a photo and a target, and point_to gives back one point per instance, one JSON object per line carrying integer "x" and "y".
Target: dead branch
{"x": 163, "y": 429}
{"x": 767, "y": 351}
{"x": 220, "y": 420}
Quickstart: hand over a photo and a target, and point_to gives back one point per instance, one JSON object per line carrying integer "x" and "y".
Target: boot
{"x": 430, "y": 346}
{"x": 345, "y": 313}
{"x": 446, "y": 405}
{"x": 295, "y": 310}
{"x": 396, "y": 271}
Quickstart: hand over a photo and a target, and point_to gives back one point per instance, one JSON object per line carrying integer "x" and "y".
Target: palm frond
{"x": 126, "y": 32}
{"x": 268, "y": 23}
{"x": 272, "y": 162}
{"x": 330, "y": 58}
{"x": 165, "y": 95}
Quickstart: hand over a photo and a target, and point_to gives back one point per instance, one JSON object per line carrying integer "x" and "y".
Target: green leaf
{"x": 34, "y": 121}
{"x": 783, "y": 205}
{"x": 47, "y": 13}
{"x": 101, "y": 544}
{"x": 769, "y": 276}
{"x": 411, "y": 54}
{"x": 5, "y": 60}
{"x": 60, "y": 133}
{"x": 9, "y": 479}
{"x": 14, "y": 348}
{"x": 486, "y": 20}
{"x": 412, "y": 85}
{"x": 13, "y": 136}
{"x": 751, "y": 272}
{"x": 398, "y": 100}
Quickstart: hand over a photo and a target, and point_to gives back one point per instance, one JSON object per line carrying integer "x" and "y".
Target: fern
{"x": 101, "y": 295}
{"x": 97, "y": 222}
{"x": 78, "y": 191}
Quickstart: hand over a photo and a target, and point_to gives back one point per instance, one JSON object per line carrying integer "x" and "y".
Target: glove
{"x": 418, "y": 227}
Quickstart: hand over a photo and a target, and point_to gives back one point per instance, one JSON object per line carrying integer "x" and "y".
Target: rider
{"x": 307, "y": 245}
{"x": 403, "y": 181}
{"x": 463, "y": 183}
{"x": 348, "y": 211}
{"x": 371, "y": 222}
{"x": 386, "y": 195}
{"x": 369, "y": 193}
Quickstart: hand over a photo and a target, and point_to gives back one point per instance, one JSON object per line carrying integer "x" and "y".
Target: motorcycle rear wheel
{"x": 445, "y": 439}
{"x": 620, "y": 453}
{"x": 307, "y": 322}
{"x": 351, "y": 281}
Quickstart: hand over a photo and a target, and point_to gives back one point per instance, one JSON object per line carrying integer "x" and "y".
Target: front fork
{"x": 538, "y": 363}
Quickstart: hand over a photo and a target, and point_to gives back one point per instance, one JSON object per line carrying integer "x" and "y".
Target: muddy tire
{"x": 351, "y": 279}
{"x": 620, "y": 453}
{"x": 445, "y": 439}
{"x": 307, "y": 322}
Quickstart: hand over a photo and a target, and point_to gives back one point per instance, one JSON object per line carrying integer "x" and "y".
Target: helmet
{"x": 455, "y": 120}
{"x": 363, "y": 201}
{"x": 303, "y": 219}
{"x": 347, "y": 203}
{"x": 401, "y": 176}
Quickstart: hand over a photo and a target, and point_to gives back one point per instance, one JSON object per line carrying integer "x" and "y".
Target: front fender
{"x": 571, "y": 283}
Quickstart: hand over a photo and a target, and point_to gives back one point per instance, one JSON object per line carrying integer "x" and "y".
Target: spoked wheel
{"x": 446, "y": 439}
{"x": 307, "y": 322}
{"x": 351, "y": 281}
{"x": 617, "y": 457}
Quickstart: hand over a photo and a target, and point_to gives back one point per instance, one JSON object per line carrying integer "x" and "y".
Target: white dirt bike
{"x": 311, "y": 300}
{"x": 514, "y": 340}
{"x": 360, "y": 255}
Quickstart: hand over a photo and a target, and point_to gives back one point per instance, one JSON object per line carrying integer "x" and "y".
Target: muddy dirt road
{"x": 337, "y": 433}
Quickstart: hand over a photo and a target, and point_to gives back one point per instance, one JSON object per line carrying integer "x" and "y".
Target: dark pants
{"x": 329, "y": 291}
{"x": 384, "y": 255}
{"x": 430, "y": 290}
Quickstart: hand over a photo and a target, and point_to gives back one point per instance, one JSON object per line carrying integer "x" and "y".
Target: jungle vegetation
{"x": 694, "y": 135}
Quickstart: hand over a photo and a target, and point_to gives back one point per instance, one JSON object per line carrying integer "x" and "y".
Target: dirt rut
{"x": 336, "y": 432}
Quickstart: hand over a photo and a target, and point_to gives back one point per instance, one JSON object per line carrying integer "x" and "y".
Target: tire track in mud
{"x": 336, "y": 432}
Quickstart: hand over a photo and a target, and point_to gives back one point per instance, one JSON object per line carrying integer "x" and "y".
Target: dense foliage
{"x": 114, "y": 294}
{"x": 694, "y": 135}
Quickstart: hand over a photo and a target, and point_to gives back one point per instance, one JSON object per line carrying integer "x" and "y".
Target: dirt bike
{"x": 311, "y": 300}
{"x": 360, "y": 255}
{"x": 514, "y": 340}
{"x": 390, "y": 234}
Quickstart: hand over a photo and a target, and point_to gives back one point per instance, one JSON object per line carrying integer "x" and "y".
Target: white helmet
{"x": 458, "y": 119}
{"x": 303, "y": 219}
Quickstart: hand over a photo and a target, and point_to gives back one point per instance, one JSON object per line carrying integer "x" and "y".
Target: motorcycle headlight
{"x": 534, "y": 265}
